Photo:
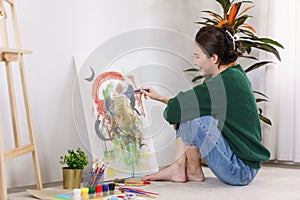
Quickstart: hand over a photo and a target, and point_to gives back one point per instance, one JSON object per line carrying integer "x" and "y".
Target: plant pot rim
{"x": 71, "y": 168}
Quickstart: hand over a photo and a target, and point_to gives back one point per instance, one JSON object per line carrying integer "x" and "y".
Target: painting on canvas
{"x": 115, "y": 118}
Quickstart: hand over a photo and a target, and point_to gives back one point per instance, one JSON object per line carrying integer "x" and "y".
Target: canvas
{"x": 115, "y": 120}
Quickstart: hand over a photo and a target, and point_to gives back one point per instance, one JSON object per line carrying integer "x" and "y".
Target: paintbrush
{"x": 135, "y": 91}
{"x": 139, "y": 192}
{"x": 131, "y": 182}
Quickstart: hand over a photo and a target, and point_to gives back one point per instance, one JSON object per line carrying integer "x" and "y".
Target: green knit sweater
{"x": 228, "y": 97}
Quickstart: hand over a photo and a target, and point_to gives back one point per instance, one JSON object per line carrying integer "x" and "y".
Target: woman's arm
{"x": 152, "y": 94}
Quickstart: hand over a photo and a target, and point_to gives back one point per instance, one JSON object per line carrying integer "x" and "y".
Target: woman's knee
{"x": 197, "y": 129}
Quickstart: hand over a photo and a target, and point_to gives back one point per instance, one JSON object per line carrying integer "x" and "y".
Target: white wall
{"x": 55, "y": 31}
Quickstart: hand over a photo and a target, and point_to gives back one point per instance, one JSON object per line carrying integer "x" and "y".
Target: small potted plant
{"x": 75, "y": 161}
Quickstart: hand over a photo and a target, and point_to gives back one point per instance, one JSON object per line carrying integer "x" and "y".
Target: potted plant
{"x": 233, "y": 16}
{"x": 75, "y": 161}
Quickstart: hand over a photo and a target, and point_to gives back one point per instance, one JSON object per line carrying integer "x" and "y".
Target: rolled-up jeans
{"x": 204, "y": 133}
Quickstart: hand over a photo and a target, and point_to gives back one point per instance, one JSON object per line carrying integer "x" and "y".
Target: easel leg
{"x": 37, "y": 170}
{"x": 12, "y": 101}
{"x": 3, "y": 191}
{"x": 30, "y": 126}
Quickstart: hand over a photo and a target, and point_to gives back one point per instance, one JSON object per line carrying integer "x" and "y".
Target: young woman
{"x": 218, "y": 118}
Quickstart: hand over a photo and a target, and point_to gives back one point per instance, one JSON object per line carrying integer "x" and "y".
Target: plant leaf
{"x": 261, "y": 94}
{"x": 224, "y": 3}
{"x": 240, "y": 21}
{"x": 260, "y": 100}
{"x": 265, "y": 119}
{"x": 265, "y": 40}
{"x": 197, "y": 78}
{"x": 215, "y": 15}
{"x": 260, "y": 111}
{"x": 246, "y": 32}
{"x": 249, "y": 27}
{"x": 202, "y": 23}
{"x": 246, "y": 2}
{"x": 246, "y": 45}
{"x": 270, "y": 41}
{"x": 222, "y": 22}
{"x": 268, "y": 48}
{"x": 257, "y": 65}
{"x": 191, "y": 70}
{"x": 245, "y": 10}
{"x": 262, "y": 46}
{"x": 233, "y": 12}
{"x": 214, "y": 21}
{"x": 249, "y": 57}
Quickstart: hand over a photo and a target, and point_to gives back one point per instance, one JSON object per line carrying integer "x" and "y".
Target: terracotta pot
{"x": 71, "y": 178}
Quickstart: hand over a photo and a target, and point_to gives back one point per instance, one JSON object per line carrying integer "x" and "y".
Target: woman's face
{"x": 204, "y": 63}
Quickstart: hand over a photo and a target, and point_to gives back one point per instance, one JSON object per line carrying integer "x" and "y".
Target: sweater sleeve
{"x": 172, "y": 113}
{"x": 188, "y": 105}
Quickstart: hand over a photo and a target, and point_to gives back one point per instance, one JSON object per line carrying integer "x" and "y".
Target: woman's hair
{"x": 219, "y": 41}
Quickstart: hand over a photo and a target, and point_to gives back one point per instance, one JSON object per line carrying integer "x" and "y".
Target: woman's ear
{"x": 214, "y": 58}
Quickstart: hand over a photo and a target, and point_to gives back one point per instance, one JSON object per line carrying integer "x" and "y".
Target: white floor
{"x": 271, "y": 183}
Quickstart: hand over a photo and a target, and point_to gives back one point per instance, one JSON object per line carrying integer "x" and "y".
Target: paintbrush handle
{"x": 137, "y": 182}
{"x": 130, "y": 184}
{"x": 134, "y": 91}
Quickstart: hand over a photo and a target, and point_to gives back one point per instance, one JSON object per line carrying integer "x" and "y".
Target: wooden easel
{"x": 8, "y": 55}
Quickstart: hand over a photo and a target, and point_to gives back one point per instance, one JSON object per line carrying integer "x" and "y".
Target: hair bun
{"x": 219, "y": 41}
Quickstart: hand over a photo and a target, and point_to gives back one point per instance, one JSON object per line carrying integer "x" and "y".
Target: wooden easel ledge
{"x": 11, "y": 55}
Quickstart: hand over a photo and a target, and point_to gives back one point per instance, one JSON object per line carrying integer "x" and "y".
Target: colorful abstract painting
{"x": 115, "y": 118}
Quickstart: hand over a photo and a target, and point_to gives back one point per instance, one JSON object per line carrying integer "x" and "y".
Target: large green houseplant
{"x": 236, "y": 19}
{"x": 75, "y": 161}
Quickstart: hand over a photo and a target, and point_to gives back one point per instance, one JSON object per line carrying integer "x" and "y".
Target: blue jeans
{"x": 203, "y": 132}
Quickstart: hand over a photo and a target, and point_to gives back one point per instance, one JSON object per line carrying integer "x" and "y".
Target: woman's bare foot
{"x": 194, "y": 174}
{"x": 173, "y": 173}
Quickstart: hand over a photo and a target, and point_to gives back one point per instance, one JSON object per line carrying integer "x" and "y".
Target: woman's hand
{"x": 152, "y": 94}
